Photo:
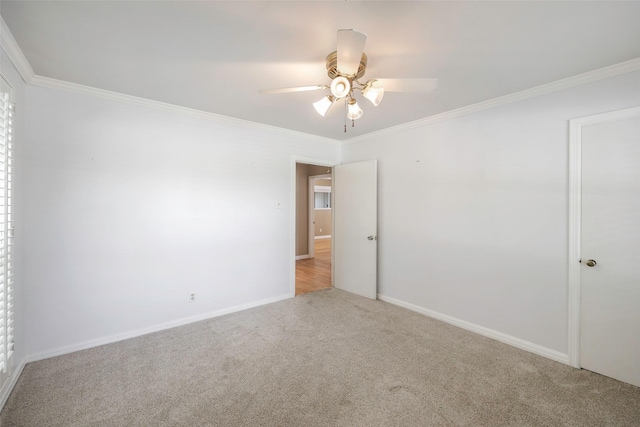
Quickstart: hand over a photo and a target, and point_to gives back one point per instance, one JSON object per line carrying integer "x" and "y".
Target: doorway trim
{"x": 292, "y": 221}
{"x": 575, "y": 219}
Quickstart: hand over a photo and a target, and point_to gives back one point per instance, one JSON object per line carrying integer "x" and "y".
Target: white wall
{"x": 129, "y": 209}
{"x": 13, "y": 78}
{"x": 473, "y": 211}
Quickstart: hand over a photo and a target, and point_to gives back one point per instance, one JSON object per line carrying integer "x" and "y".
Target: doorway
{"x": 604, "y": 244}
{"x": 314, "y": 221}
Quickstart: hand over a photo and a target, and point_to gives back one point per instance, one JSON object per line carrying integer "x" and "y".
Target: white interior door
{"x": 355, "y": 247}
{"x": 610, "y": 250}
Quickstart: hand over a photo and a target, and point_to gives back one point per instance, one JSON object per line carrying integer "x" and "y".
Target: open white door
{"x": 610, "y": 250}
{"x": 355, "y": 190}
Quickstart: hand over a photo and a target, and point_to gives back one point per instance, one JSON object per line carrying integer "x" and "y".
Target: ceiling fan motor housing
{"x": 332, "y": 67}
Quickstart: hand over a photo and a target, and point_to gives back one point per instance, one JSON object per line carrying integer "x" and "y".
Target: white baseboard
{"x": 326, "y": 236}
{"x": 481, "y": 330}
{"x": 298, "y": 257}
{"x": 144, "y": 331}
{"x": 10, "y": 384}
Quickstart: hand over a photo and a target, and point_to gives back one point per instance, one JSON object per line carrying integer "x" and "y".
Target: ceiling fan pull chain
{"x": 345, "y": 115}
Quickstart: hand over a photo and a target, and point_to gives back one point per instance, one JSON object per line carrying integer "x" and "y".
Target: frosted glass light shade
{"x": 340, "y": 87}
{"x": 354, "y": 112}
{"x": 373, "y": 94}
{"x": 323, "y": 105}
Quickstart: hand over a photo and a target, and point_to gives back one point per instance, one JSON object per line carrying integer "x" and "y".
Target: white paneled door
{"x": 355, "y": 228}
{"x": 610, "y": 249}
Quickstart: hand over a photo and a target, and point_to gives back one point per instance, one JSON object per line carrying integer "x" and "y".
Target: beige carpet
{"x": 323, "y": 359}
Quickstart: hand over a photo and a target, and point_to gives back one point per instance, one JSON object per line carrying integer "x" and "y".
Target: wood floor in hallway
{"x": 314, "y": 274}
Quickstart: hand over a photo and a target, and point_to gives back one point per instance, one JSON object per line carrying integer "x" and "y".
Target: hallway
{"x": 314, "y": 274}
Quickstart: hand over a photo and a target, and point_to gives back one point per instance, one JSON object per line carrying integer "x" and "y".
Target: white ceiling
{"x": 215, "y": 55}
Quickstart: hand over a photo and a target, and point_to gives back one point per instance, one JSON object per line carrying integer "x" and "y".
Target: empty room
{"x": 319, "y": 213}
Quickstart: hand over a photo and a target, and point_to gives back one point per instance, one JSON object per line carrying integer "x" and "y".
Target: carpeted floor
{"x": 323, "y": 359}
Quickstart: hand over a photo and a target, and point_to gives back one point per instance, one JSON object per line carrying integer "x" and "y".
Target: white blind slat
{"x": 7, "y": 113}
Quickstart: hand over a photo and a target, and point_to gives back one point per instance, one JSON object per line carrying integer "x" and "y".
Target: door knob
{"x": 371, "y": 237}
{"x": 591, "y": 263}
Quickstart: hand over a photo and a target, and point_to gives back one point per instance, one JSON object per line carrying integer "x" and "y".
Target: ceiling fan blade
{"x": 406, "y": 85}
{"x": 293, "y": 89}
{"x": 350, "y": 48}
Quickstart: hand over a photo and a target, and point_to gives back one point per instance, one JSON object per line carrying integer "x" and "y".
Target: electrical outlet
{"x": 192, "y": 297}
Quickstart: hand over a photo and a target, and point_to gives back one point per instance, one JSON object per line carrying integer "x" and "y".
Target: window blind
{"x": 7, "y": 112}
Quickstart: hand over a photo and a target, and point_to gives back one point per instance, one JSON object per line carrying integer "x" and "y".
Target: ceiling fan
{"x": 345, "y": 67}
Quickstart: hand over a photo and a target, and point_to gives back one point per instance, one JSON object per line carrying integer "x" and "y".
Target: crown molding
{"x": 580, "y": 79}
{"x": 49, "y": 83}
{"x": 10, "y": 46}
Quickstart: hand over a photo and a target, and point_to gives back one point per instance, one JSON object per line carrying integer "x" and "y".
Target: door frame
{"x": 575, "y": 219}
{"x": 292, "y": 221}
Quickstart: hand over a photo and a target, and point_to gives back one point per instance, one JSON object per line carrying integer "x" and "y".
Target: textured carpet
{"x": 323, "y": 359}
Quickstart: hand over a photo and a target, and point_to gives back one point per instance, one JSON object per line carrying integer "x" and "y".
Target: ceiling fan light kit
{"x": 340, "y": 87}
{"x": 344, "y": 67}
{"x": 373, "y": 94}
{"x": 354, "y": 112}
{"x": 324, "y": 105}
